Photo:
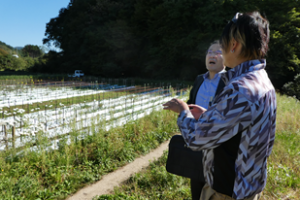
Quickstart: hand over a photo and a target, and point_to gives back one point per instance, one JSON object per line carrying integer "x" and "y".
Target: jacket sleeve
{"x": 230, "y": 114}
{"x": 272, "y": 134}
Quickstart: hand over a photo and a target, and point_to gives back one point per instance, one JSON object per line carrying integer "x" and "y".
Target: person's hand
{"x": 196, "y": 110}
{"x": 176, "y": 105}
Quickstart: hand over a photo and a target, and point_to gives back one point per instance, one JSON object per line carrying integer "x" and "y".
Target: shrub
{"x": 293, "y": 88}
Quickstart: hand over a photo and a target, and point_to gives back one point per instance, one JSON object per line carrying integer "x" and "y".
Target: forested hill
{"x": 7, "y": 48}
{"x": 163, "y": 38}
{"x": 8, "y": 61}
{"x": 20, "y": 59}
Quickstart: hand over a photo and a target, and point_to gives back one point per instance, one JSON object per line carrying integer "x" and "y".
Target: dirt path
{"x": 114, "y": 179}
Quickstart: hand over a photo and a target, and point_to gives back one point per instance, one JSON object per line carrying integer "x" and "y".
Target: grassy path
{"x": 116, "y": 178}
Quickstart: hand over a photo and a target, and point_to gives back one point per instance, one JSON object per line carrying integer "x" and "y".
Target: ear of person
{"x": 234, "y": 45}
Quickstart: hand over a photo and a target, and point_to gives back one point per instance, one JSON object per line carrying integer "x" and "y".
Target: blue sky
{"x": 23, "y": 22}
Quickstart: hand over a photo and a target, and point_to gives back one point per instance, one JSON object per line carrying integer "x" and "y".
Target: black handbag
{"x": 182, "y": 161}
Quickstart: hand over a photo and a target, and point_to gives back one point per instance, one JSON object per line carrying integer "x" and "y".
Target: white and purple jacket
{"x": 237, "y": 132}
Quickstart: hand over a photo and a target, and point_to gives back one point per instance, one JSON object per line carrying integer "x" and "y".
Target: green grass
{"x": 284, "y": 163}
{"x": 151, "y": 184}
{"x": 57, "y": 174}
{"x": 283, "y": 181}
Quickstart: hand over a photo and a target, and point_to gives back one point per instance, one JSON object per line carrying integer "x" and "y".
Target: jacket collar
{"x": 248, "y": 66}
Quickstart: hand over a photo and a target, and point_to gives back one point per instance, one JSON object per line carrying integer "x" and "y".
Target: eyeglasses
{"x": 217, "y": 53}
{"x": 235, "y": 18}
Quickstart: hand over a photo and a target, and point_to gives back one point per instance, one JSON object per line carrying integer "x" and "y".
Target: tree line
{"x": 162, "y": 39}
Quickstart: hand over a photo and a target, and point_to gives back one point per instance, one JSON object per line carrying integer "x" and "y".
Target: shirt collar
{"x": 206, "y": 75}
{"x": 248, "y": 66}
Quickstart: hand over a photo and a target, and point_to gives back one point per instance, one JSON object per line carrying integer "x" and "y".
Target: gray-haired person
{"x": 205, "y": 87}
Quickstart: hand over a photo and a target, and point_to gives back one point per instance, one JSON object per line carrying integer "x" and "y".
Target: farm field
{"x": 283, "y": 166}
{"x": 115, "y": 104}
{"x": 55, "y": 140}
{"x": 67, "y": 136}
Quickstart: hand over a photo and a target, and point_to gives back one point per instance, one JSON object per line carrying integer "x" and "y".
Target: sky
{"x": 24, "y": 22}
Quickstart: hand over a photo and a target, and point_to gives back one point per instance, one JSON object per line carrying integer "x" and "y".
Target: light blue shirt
{"x": 207, "y": 89}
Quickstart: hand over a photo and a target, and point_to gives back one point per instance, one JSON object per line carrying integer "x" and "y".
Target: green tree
{"x": 9, "y": 49}
{"x": 163, "y": 38}
{"x": 3, "y": 59}
{"x": 293, "y": 88}
{"x": 93, "y": 34}
{"x": 9, "y": 62}
{"x": 33, "y": 51}
{"x": 284, "y": 54}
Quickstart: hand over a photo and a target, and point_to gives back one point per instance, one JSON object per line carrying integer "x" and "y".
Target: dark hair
{"x": 251, "y": 30}
{"x": 215, "y": 42}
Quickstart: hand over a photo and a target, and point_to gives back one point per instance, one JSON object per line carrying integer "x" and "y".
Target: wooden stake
{"x": 5, "y": 133}
{"x": 13, "y": 136}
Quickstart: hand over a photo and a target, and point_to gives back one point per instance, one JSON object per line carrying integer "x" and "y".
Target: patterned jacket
{"x": 237, "y": 132}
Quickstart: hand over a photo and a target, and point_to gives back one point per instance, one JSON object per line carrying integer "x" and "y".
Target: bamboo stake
{"x": 5, "y": 133}
{"x": 13, "y": 136}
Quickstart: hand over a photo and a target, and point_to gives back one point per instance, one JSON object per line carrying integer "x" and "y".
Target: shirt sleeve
{"x": 230, "y": 114}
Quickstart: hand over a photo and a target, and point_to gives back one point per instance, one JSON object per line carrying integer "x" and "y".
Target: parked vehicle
{"x": 77, "y": 73}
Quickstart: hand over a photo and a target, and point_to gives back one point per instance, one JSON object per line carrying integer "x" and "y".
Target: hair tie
{"x": 235, "y": 18}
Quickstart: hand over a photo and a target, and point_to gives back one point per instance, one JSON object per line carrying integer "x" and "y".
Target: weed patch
{"x": 55, "y": 174}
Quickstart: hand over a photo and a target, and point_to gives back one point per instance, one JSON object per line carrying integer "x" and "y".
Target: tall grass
{"x": 283, "y": 181}
{"x": 44, "y": 174}
{"x": 284, "y": 163}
